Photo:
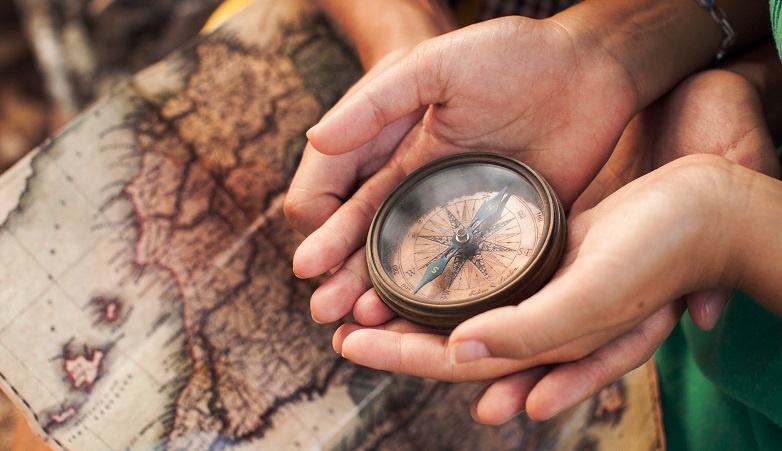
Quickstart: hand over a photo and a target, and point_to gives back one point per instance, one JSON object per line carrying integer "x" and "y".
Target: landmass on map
{"x": 83, "y": 368}
{"x": 162, "y": 290}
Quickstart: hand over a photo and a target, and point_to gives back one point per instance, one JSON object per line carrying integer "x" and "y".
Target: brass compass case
{"x": 463, "y": 235}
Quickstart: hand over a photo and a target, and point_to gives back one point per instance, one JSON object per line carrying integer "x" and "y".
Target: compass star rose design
{"x": 473, "y": 252}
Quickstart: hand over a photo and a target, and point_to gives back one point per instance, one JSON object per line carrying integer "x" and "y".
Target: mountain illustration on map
{"x": 147, "y": 289}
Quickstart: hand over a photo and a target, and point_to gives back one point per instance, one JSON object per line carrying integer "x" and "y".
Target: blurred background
{"x": 56, "y": 57}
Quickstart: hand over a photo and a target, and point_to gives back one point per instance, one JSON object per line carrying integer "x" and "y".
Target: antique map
{"x": 146, "y": 288}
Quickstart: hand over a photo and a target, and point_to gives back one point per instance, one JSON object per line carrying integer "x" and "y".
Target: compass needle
{"x": 489, "y": 210}
{"x": 436, "y": 268}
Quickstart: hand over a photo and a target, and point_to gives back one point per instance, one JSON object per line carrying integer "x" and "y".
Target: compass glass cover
{"x": 437, "y": 242}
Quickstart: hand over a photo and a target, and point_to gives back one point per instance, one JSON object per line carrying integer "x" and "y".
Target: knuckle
{"x": 295, "y": 211}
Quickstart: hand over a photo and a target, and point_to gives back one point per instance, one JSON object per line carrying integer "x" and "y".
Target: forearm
{"x": 659, "y": 43}
{"x": 378, "y": 27}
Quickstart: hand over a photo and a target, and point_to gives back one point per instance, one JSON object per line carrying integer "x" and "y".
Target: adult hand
{"x": 554, "y": 93}
{"x": 561, "y": 89}
{"x": 493, "y": 87}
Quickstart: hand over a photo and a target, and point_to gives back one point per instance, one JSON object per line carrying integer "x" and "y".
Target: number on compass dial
{"x": 496, "y": 251}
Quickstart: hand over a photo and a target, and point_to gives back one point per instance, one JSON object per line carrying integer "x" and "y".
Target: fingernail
{"x": 714, "y": 305}
{"x": 707, "y": 313}
{"x": 512, "y": 416}
{"x": 468, "y": 351}
{"x": 315, "y": 319}
{"x": 312, "y": 129}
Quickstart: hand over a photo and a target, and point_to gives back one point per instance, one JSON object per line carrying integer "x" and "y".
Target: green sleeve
{"x": 720, "y": 389}
{"x": 775, "y": 7}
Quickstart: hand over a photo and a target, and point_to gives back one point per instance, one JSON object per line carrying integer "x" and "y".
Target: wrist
{"x": 740, "y": 216}
{"x": 706, "y": 194}
{"x": 756, "y": 212}
{"x": 653, "y": 45}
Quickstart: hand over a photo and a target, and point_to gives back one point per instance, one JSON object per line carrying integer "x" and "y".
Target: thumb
{"x": 575, "y": 305}
{"x": 581, "y": 309}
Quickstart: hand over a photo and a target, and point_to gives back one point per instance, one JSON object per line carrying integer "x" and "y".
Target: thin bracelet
{"x": 720, "y": 19}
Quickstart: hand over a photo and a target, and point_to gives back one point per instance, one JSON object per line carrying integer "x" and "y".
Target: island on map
{"x": 83, "y": 368}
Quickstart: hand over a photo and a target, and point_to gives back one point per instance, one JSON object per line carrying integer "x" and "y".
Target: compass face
{"x": 496, "y": 254}
{"x": 463, "y": 235}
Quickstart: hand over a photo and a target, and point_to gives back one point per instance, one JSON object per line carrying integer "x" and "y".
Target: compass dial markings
{"x": 498, "y": 263}
{"x": 453, "y": 220}
{"x": 439, "y": 239}
{"x": 458, "y": 263}
{"x": 498, "y": 226}
{"x": 427, "y": 257}
{"x": 494, "y": 247}
{"x": 468, "y": 211}
{"x": 477, "y": 260}
{"x": 499, "y": 250}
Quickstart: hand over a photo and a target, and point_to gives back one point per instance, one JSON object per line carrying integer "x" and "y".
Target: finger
{"x": 336, "y": 296}
{"x": 322, "y": 183}
{"x": 705, "y": 307}
{"x": 570, "y": 383}
{"x": 399, "y": 326}
{"x": 318, "y": 189}
{"x": 505, "y": 398}
{"x": 370, "y": 311}
{"x": 346, "y": 230}
{"x": 401, "y": 347}
{"x": 400, "y": 90}
{"x": 391, "y": 134}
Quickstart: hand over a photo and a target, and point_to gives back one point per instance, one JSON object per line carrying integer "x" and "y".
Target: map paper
{"x": 147, "y": 295}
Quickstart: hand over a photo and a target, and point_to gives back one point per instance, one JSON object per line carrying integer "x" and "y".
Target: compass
{"x": 463, "y": 235}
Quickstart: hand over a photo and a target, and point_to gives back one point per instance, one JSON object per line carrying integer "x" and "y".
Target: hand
{"x": 725, "y": 102}
{"x": 678, "y": 244}
{"x": 598, "y": 318}
{"x": 504, "y": 85}
{"x": 488, "y": 107}
{"x": 718, "y": 112}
